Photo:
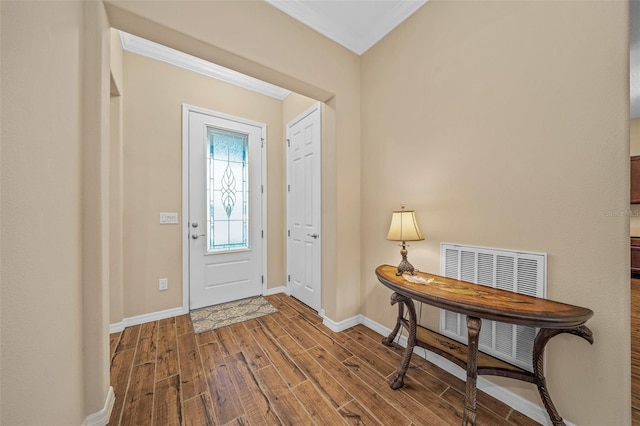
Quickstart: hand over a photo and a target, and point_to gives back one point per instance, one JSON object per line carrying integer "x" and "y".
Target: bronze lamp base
{"x": 404, "y": 265}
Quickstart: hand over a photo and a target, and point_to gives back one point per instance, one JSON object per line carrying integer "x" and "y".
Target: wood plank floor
{"x": 285, "y": 368}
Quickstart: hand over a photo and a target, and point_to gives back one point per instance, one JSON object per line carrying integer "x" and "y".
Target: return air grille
{"x": 521, "y": 272}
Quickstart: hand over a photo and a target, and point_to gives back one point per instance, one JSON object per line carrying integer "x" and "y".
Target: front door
{"x": 225, "y": 191}
{"x": 304, "y": 246}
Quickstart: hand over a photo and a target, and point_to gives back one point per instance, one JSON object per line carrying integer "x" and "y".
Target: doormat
{"x": 212, "y": 317}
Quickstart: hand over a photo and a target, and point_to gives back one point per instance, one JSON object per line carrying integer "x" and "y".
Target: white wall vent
{"x": 521, "y": 272}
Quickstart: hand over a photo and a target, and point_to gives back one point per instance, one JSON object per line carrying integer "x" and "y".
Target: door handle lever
{"x": 313, "y": 235}
{"x": 196, "y": 236}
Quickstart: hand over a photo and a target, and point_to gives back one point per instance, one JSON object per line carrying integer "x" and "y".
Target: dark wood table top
{"x": 486, "y": 302}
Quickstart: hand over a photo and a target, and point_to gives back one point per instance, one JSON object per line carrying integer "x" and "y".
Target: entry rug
{"x": 217, "y": 316}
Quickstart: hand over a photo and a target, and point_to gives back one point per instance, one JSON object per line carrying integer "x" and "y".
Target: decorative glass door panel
{"x": 227, "y": 190}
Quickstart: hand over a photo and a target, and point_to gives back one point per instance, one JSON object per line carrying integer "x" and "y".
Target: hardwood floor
{"x": 284, "y": 368}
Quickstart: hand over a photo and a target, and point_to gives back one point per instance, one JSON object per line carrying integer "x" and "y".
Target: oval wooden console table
{"x": 476, "y": 302}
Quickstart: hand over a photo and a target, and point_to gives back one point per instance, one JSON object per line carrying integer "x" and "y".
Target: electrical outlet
{"x": 163, "y": 284}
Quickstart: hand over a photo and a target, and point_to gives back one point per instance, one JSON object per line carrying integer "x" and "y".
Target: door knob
{"x": 194, "y": 224}
{"x": 196, "y": 236}
{"x": 313, "y": 235}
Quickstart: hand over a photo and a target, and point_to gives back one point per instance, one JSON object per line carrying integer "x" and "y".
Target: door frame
{"x": 316, "y": 106}
{"x": 186, "y": 109}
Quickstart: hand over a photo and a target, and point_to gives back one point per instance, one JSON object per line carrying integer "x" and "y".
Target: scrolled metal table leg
{"x": 391, "y": 337}
{"x": 398, "y": 379}
{"x": 543, "y": 337}
{"x": 469, "y": 416}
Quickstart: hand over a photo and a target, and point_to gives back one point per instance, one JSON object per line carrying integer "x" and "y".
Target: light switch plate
{"x": 163, "y": 283}
{"x": 168, "y": 218}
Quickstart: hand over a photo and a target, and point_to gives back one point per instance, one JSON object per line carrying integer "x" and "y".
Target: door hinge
{"x": 262, "y": 143}
{"x": 289, "y": 278}
{"x": 262, "y": 233}
{"x": 289, "y": 143}
{"x": 262, "y": 276}
{"x": 288, "y": 232}
{"x": 289, "y": 188}
{"x": 262, "y": 189}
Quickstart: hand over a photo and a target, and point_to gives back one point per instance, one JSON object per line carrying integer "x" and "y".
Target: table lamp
{"x": 404, "y": 227}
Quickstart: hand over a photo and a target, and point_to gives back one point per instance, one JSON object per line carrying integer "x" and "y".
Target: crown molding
{"x": 320, "y": 23}
{"x": 357, "y": 37}
{"x": 400, "y": 11}
{"x": 140, "y": 46}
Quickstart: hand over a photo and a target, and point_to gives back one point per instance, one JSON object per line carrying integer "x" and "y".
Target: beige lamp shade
{"x": 404, "y": 227}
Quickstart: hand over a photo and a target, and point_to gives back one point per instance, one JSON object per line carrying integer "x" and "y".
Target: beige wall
{"x": 280, "y": 50}
{"x": 55, "y": 367}
{"x": 505, "y": 124}
{"x": 154, "y": 94}
{"x": 115, "y": 57}
{"x": 116, "y": 214}
{"x": 294, "y": 105}
{"x": 41, "y": 254}
{"x": 95, "y": 42}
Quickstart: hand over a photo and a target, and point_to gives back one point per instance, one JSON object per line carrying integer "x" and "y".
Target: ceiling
{"x": 355, "y": 24}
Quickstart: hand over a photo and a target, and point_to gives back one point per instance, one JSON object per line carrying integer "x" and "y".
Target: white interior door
{"x": 304, "y": 248}
{"x": 225, "y": 199}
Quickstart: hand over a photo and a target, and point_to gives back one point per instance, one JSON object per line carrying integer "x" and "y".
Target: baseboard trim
{"x": 276, "y": 290}
{"x": 101, "y": 418}
{"x": 534, "y": 411}
{"x": 155, "y": 316}
{"x": 341, "y": 325}
{"x": 141, "y": 319}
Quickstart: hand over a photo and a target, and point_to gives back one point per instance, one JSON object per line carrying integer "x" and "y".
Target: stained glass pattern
{"x": 227, "y": 190}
